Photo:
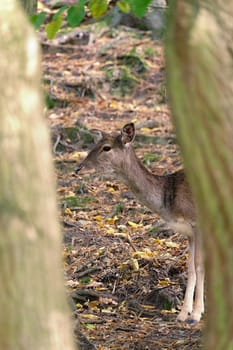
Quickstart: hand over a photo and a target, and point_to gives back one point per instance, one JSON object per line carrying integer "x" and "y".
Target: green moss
{"x": 73, "y": 201}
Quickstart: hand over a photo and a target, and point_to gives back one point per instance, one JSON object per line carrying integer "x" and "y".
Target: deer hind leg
{"x": 198, "y": 306}
{"x": 187, "y": 306}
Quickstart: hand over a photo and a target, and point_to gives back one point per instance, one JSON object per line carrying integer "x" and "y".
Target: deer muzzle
{"x": 84, "y": 169}
{"x": 78, "y": 169}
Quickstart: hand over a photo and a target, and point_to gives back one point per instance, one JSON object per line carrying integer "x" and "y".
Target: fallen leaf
{"x": 134, "y": 225}
{"x": 68, "y": 212}
{"x": 171, "y": 244}
{"x": 98, "y": 218}
{"x": 111, "y": 221}
{"x": 164, "y": 283}
{"x": 90, "y": 326}
{"x": 111, "y": 190}
{"x": 134, "y": 264}
{"x": 144, "y": 254}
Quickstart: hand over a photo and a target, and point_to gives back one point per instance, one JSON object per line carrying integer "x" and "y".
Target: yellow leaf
{"x": 122, "y": 306}
{"x": 158, "y": 241}
{"x": 68, "y": 211}
{"x": 171, "y": 244}
{"x": 78, "y": 155}
{"x": 121, "y": 235}
{"x": 124, "y": 265}
{"x": 106, "y": 311}
{"x": 93, "y": 304}
{"x": 112, "y": 221}
{"x": 100, "y": 289}
{"x": 101, "y": 250}
{"x": 146, "y": 130}
{"x": 90, "y": 326}
{"x": 114, "y": 104}
{"x": 98, "y": 218}
{"x": 134, "y": 264}
{"x": 111, "y": 190}
{"x": 90, "y": 316}
{"x": 163, "y": 283}
{"x": 148, "y": 307}
{"x": 110, "y": 231}
{"x": 134, "y": 225}
{"x": 145, "y": 254}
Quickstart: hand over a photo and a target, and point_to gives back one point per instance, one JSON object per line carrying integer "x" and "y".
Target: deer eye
{"x": 106, "y": 148}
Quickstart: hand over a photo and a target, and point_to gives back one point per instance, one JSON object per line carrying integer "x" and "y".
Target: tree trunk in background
{"x": 199, "y": 55}
{"x": 32, "y": 296}
{"x": 30, "y": 6}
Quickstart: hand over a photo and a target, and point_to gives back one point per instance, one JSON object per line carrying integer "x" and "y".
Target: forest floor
{"x": 125, "y": 270}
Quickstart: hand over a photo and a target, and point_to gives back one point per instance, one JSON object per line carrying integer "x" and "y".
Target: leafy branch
{"x": 75, "y": 14}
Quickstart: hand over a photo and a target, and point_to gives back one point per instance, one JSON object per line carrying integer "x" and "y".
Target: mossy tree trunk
{"x": 30, "y": 6}
{"x": 34, "y": 311}
{"x": 199, "y": 55}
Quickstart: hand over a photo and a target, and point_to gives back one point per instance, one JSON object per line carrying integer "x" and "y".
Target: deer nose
{"x": 77, "y": 170}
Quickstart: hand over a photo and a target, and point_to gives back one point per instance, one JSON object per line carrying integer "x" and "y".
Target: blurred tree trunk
{"x": 30, "y": 6}
{"x": 33, "y": 303}
{"x": 199, "y": 55}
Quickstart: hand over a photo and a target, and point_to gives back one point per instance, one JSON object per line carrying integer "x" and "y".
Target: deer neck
{"x": 147, "y": 187}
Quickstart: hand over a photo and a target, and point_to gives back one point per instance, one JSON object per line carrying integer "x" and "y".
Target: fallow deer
{"x": 169, "y": 195}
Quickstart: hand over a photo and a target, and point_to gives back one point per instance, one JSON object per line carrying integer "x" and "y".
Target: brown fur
{"x": 170, "y": 196}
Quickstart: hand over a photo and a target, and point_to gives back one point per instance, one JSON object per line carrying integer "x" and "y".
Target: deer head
{"x": 110, "y": 152}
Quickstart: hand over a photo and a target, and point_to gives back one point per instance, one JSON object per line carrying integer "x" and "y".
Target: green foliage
{"x": 168, "y": 305}
{"x": 120, "y": 208}
{"x": 49, "y": 101}
{"x": 124, "y": 6}
{"x": 123, "y": 76}
{"x": 90, "y": 326}
{"x": 74, "y": 133}
{"x": 150, "y": 52}
{"x": 71, "y": 133}
{"x": 153, "y": 231}
{"x": 38, "y": 19}
{"x": 98, "y": 8}
{"x": 73, "y": 201}
{"x": 121, "y": 79}
{"x": 139, "y": 7}
{"x": 149, "y": 158}
{"x": 85, "y": 280}
{"x": 60, "y": 11}
{"x": 76, "y": 14}
{"x": 52, "y": 27}
{"x": 86, "y": 137}
{"x": 133, "y": 60}
{"x": 162, "y": 92}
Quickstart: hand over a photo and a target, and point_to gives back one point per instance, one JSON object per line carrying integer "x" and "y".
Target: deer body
{"x": 169, "y": 196}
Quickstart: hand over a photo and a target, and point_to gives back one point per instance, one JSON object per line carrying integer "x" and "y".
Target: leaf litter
{"x": 125, "y": 269}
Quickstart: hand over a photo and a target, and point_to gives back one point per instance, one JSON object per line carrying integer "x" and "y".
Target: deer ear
{"x": 97, "y": 135}
{"x": 128, "y": 133}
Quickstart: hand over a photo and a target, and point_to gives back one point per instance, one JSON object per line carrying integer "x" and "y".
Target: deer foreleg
{"x": 187, "y": 306}
{"x": 198, "y": 308}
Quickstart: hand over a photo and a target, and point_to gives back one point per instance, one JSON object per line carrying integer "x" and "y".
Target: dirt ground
{"x": 125, "y": 270}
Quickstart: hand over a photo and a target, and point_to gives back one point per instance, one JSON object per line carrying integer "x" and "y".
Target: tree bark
{"x": 30, "y": 6}
{"x": 32, "y": 303}
{"x": 199, "y": 54}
